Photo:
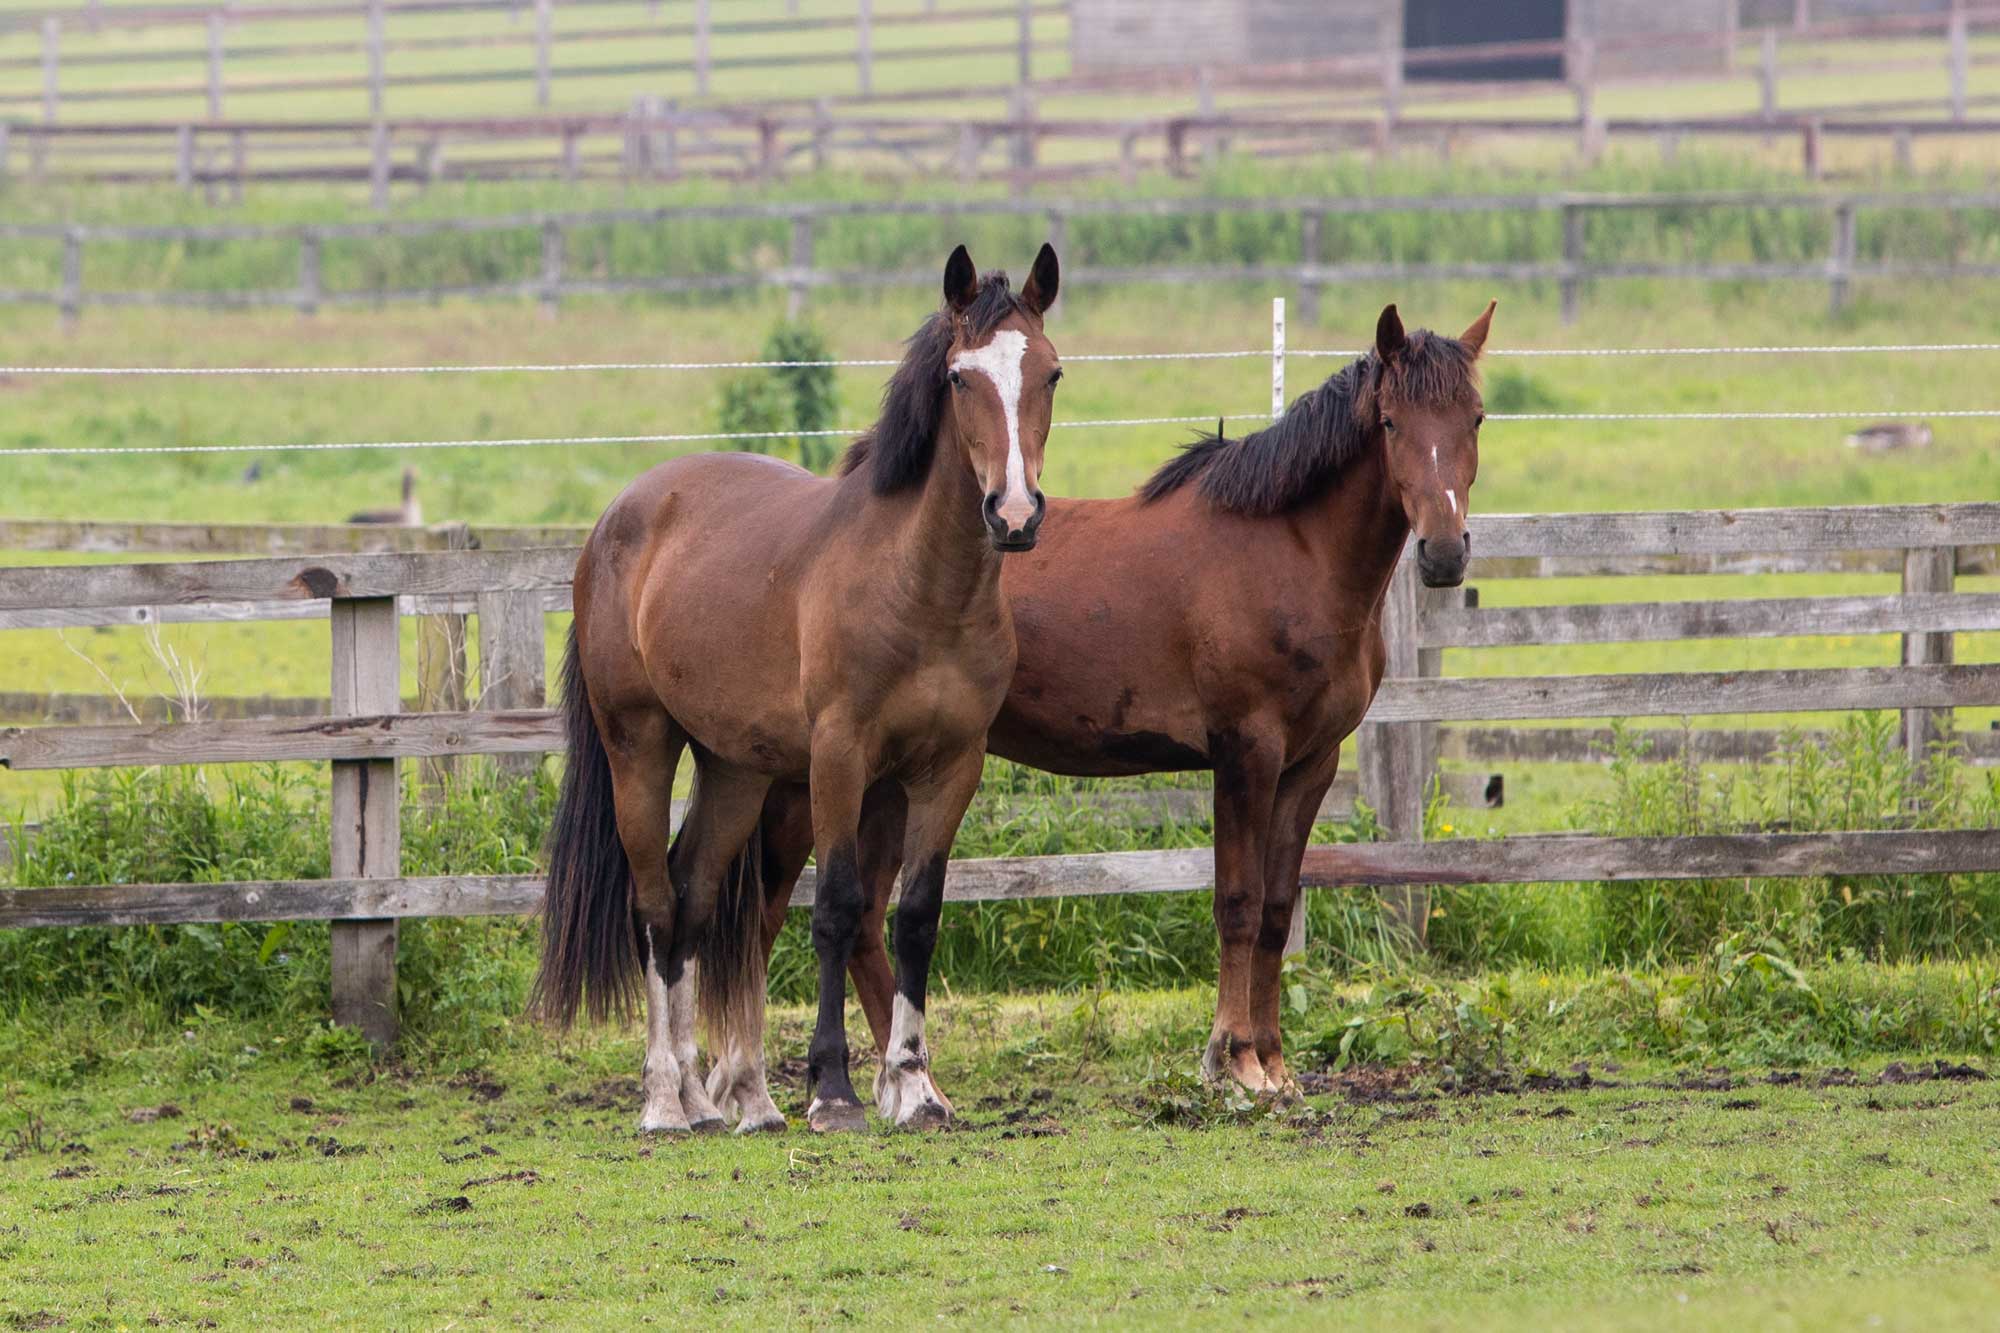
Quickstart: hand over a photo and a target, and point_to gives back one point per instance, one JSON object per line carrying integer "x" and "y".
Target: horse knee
{"x": 838, "y": 904}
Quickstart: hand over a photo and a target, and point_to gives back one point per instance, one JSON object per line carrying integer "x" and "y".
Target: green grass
{"x": 1090, "y": 1182}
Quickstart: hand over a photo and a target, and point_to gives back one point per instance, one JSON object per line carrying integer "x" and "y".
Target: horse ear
{"x": 961, "y": 280}
{"x": 1474, "y": 338}
{"x": 1043, "y": 281}
{"x": 1389, "y": 333}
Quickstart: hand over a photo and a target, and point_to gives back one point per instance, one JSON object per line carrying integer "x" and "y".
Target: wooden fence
{"x": 1376, "y": 90}
{"x": 553, "y": 280}
{"x": 511, "y": 590}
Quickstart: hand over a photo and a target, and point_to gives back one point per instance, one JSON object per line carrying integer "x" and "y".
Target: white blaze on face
{"x": 1000, "y": 361}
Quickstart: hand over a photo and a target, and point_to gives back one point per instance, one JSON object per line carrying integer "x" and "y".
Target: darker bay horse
{"x": 1227, "y": 617}
{"x": 849, "y": 631}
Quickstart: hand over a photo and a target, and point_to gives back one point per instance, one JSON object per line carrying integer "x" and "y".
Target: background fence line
{"x": 550, "y": 282}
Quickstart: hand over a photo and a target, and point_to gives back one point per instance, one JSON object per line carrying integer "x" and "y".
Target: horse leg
{"x": 720, "y": 820}
{"x": 904, "y": 1089}
{"x": 737, "y": 1080}
{"x": 644, "y": 750}
{"x": 1299, "y": 795}
{"x": 884, "y": 819}
{"x": 839, "y": 784}
{"x": 1246, "y": 779}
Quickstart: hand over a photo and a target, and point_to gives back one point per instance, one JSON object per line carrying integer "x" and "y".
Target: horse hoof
{"x": 712, "y": 1124}
{"x": 926, "y": 1115}
{"x": 837, "y": 1117}
{"x": 672, "y": 1128}
{"x": 768, "y": 1125}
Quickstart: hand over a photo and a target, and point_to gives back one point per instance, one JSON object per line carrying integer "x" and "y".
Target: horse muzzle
{"x": 1441, "y": 563}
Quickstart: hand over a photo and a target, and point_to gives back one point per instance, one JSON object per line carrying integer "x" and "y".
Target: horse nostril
{"x": 1420, "y": 548}
{"x": 991, "y": 508}
{"x": 1466, "y": 537}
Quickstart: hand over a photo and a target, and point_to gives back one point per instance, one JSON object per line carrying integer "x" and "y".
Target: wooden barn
{"x": 1109, "y": 35}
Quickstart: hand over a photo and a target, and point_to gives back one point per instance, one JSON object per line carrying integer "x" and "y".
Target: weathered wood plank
{"x": 1971, "y": 560}
{"x": 1737, "y": 531}
{"x": 384, "y": 736}
{"x": 1744, "y": 618}
{"x": 366, "y": 816}
{"x": 1524, "y": 860}
{"x": 1687, "y": 693}
{"x": 101, "y": 537}
{"x": 235, "y": 613}
{"x": 285, "y": 580}
{"x": 1593, "y": 745}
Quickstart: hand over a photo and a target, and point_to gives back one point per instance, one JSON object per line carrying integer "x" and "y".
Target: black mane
{"x": 1298, "y": 457}
{"x": 897, "y": 449}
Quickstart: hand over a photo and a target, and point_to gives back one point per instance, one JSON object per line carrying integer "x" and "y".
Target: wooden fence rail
{"x": 367, "y": 735}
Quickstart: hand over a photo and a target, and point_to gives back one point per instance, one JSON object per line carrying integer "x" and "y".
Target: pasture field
{"x": 237, "y": 1174}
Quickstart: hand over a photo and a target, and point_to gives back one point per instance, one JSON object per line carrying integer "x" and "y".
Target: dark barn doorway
{"x": 1433, "y": 23}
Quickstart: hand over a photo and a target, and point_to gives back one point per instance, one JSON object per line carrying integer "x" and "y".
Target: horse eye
{"x": 1387, "y": 424}
{"x": 957, "y": 380}
{"x": 1055, "y": 377}
{"x": 1479, "y": 421}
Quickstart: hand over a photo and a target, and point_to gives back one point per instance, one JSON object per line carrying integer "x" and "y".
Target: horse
{"x": 1226, "y": 617}
{"x": 787, "y": 627}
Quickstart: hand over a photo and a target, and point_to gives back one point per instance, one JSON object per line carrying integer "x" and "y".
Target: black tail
{"x": 729, "y": 979}
{"x": 590, "y": 955}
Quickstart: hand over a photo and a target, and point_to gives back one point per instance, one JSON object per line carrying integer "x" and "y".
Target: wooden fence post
{"x": 1312, "y": 228}
{"x": 1767, "y": 75}
{"x": 1021, "y": 110}
{"x": 667, "y": 160}
{"x": 239, "y": 162}
{"x": 1961, "y": 60}
{"x": 864, "y": 47}
{"x": 544, "y": 22}
{"x": 701, "y": 57}
{"x": 1024, "y": 44}
{"x": 1801, "y": 15}
{"x": 1572, "y": 265}
{"x": 51, "y": 67}
{"x": 1392, "y": 776}
{"x": 367, "y": 833}
{"x": 1840, "y": 262}
{"x": 378, "y": 166}
{"x": 441, "y": 667}
{"x": 215, "y": 66}
{"x": 822, "y": 136}
{"x": 310, "y": 288}
{"x": 799, "y": 292}
{"x": 72, "y": 277}
{"x": 552, "y": 266}
{"x": 376, "y": 69}
{"x": 6, "y": 134}
{"x": 1927, "y": 570}
{"x": 1391, "y": 47}
{"x": 184, "y": 157}
{"x": 512, "y": 663}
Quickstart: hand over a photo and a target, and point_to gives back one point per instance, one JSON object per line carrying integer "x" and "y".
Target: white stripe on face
{"x": 1000, "y": 361}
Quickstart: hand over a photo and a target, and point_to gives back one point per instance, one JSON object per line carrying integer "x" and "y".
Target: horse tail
{"x": 730, "y": 955}
{"x": 590, "y": 945}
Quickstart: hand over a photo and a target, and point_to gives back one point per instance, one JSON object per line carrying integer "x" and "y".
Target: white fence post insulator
{"x": 1930, "y": 569}
{"x": 310, "y": 280}
{"x": 377, "y": 68}
{"x": 1840, "y": 262}
{"x": 1961, "y": 61}
{"x": 701, "y": 55}
{"x": 552, "y": 266}
{"x": 1277, "y": 357}
{"x": 864, "y": 48}
{"x": 1767, "y": 75}
{"x": 1572, "y": 266}
{"x": 544, "y": 36}
{"x": 799, "y": 291}
{"x": 367, "y": 831}
{"x": 72, "y": 277}
{"x": 215, "y": 67}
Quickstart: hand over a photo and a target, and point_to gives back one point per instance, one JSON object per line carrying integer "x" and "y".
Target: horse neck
{"x": 946, "y": 561}
{"x": 1362, "y": 525}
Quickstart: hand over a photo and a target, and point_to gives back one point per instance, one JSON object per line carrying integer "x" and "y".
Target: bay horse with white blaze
{"x": 787, "y": 627}
{"x": 1226, "y": 618}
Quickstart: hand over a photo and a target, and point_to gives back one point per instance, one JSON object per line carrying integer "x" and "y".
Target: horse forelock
{"x": 896, "y": 451}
